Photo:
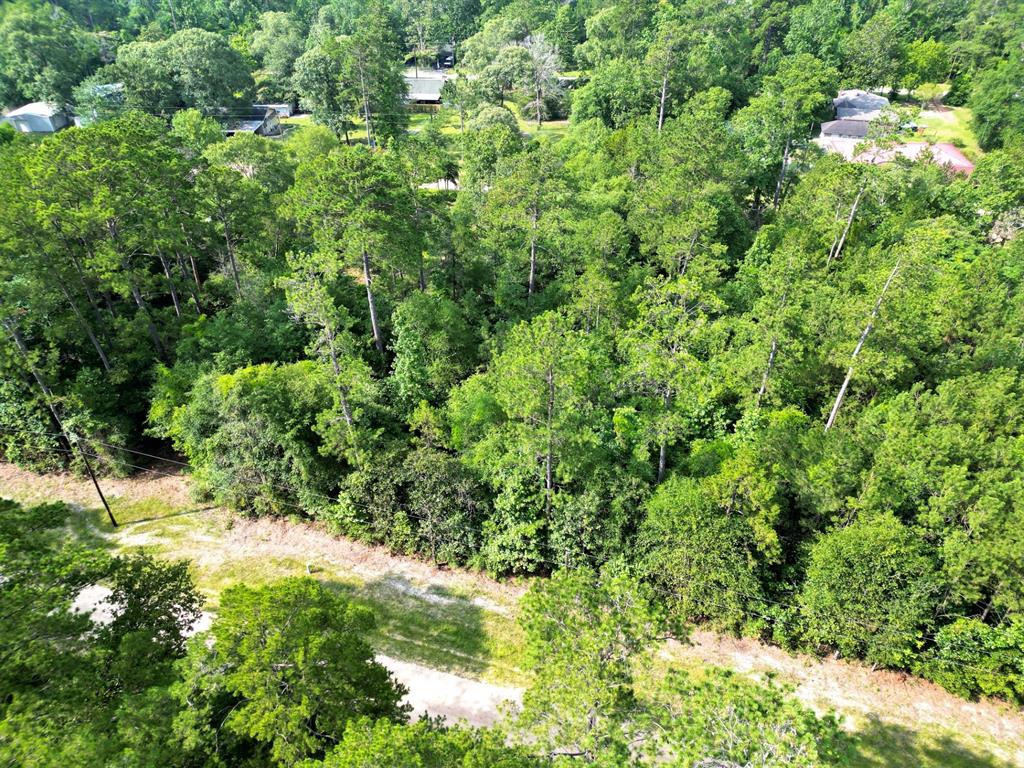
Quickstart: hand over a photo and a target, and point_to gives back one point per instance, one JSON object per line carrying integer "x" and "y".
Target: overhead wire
{"x": 292, "y": 505}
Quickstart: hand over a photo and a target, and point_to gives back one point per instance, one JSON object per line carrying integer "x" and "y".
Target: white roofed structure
{"x": 37, "y": 117}
{"x": 425, "y": 89}
{"x": 856, "y": 104}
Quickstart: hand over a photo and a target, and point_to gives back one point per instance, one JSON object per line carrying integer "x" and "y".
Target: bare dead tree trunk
{"x": 782, "y": 175}
{"x": 229, "y": 244}
{"x": 192, "y": 289}
{"x": 771, "y": 358}
{"x": 346, "y": 411}
{"x": 860, "y": 346}
{"x": 85, "y": 285}
{"x": 86, "y": 326}
{"x": 661, "y": 102}
{"x": 56, "y": 276}
{"x": 150, "y": 326}
{"x": 378, "y": 340}
{"x": 195, "y": 271}
{"x": 170, "y": 283}
{"x": 366, "y": 102}
{"x": 767, "y": 371}
{"x": 140, "y": 302}
{"x": 191, "y": 250}
{"x": 19, "y": 342}
{"x": 834, "y": 256}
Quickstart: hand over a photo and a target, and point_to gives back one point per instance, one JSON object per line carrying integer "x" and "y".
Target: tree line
{"x": 342, "y": 60}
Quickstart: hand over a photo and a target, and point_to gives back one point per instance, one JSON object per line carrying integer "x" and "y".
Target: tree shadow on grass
{"x": 430, "y": 626}
{"x": 881, "y": 744}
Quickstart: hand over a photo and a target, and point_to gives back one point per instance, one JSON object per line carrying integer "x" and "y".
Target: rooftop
{"x": 35, "y": 108}
{"x": 855, "y": 104}
{"x": 424, "y": 88}
{"x": 857, "y": 128}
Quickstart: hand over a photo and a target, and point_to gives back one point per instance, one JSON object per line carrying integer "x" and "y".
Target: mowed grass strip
{"x": 445, "y": 629}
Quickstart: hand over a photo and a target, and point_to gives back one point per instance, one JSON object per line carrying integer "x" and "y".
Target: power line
{"x": 747, "y": 609}
{"x": 256, "y": 486}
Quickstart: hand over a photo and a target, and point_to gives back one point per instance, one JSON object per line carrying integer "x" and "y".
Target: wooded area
{"x": 670, "y": 354}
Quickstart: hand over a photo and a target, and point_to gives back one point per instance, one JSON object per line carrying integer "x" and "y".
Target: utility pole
{"x": 96, "y": 483}
{"x": 48, "y": 399}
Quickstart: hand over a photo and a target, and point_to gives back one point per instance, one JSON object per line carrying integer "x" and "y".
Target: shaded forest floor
{"x": 464, "y": 624}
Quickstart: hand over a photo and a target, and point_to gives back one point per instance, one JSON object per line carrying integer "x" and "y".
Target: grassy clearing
{"x": 952, "y": 125}
{"x": 445, "y": 628}
{"x": 554, "y": 129}
{"x": 449, "y": 121}
{"x": 883, "y": 744}
{"x": 464, "y": 624}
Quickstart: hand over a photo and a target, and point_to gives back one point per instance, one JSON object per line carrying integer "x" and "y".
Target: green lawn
{"x": 887, "y": 745}
{"x": 553, "y": 128}
{"x": 441, "y": 627}
{"x": 952, "y": 125}
{"x": 449, "y": 121}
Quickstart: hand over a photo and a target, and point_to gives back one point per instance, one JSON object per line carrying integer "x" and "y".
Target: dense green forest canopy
{"x": 785, "y": 389}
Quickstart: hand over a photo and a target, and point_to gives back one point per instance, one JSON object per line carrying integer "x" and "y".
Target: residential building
{"x": 37, "y": 117}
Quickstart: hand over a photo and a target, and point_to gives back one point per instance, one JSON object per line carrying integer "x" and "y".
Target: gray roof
{"x": 856, "y": 128}
{"x": 246, "y": 126}
{"x": 424, "y": 88}
{"x": 859, "y": 105}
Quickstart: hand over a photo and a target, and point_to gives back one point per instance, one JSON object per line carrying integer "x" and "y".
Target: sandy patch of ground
{"x": 168, "y": 486}
{"x": 450, "y": 696}
{"x": 281, "y": 538}
{"x": 95, "y": 600}
{"x": 851, "y": 688}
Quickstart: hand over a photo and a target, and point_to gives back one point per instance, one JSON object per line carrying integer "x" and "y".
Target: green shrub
{"x": 869, "y": 591}
{"x": 250, "y": 437}
{"x": 699, "y": 559}
{"x": 971, "y": 659}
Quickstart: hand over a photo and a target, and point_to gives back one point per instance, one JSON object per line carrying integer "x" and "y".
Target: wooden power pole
{"x": 92, "y": 475}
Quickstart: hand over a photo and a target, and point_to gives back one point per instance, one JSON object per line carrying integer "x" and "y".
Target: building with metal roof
{"x": 37, "y": 117}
